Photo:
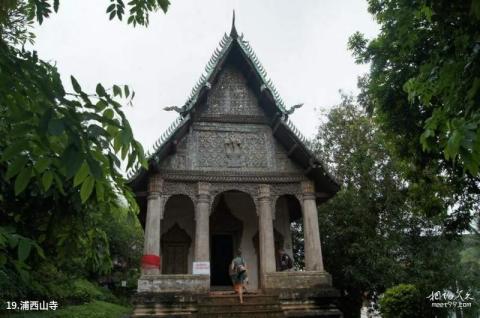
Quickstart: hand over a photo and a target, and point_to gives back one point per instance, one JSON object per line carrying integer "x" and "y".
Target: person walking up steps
{"x": 238, "y": 274}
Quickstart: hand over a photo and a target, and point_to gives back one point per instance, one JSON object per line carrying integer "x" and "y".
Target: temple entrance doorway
{"x": 222, "y": 255}
{"x": 232, "y": 222}
{"x": 177, "y": 230}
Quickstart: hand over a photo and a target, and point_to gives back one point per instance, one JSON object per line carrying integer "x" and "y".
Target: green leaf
{"x": 56, "y": 127}
{"x": 72, "y": 160}
{"x": 22, "y": 179}
{"x": 24, "y": 248}
{"x": 95, "y": 169}
{"x": 44, "y": 120}
{"x": 97, "y": 131}
{"x": 453, "y": 145}
{"x": 75, "y": 85}
{"x": 16, "y": 166}
{"x": 86, "y": 189}
{"x": 56, "y": 4}
{"x": 47, "y": 180}
{"x": 81, "y": 174}
{"x": 117, "y": 91}
{"x": 126, "y": 137}
{"x": 100, "y": 191}
{"x": 108, "y": 113}
{"x": 111, "y": 7}
{"x": 39, "y": 251}
{"x": 14, "y": 150}
{"x": 100, "y": 90}
{"x": 101, "y": 105}
{"x": 59, "y": 183}
{"x": 127, "y": 90}
{"x": 41, "y": 164}
{"x": 117, "y": 143}
{"x": 163, "y": 5}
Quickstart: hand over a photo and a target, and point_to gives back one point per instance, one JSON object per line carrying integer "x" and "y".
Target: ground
{"x": 95, "y": 309}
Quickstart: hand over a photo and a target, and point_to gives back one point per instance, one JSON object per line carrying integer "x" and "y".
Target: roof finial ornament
{"x": 292, "y": 109}
{"x": 233, "y": 31}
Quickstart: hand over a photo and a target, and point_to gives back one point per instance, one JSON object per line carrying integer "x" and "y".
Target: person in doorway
{"x": 285, "y": 261}
{"x": 238, "y": 274}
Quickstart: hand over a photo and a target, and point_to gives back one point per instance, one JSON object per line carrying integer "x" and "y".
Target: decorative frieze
{"x": 232, "y": 176}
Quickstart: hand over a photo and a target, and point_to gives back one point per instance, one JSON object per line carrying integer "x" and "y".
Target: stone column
{"x": 202, "y": 224}
{"x": 265, "y": 230}
{"x": 151, "y": 250}
{"x": 311, "y": 232}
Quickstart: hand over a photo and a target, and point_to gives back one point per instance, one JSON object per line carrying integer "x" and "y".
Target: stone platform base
{"x": 194, "y": 284}
{"x": 278, "y": 281}
{"x": 285, "y": 294}
{"x": 318, "y": 302}
{"x": 307, "y": 303}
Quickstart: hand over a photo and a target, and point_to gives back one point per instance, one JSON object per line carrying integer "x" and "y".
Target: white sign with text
{"x": 201, "y": 268}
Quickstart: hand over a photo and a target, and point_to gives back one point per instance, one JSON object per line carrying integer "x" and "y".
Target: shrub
{"x": 401, "y": 301}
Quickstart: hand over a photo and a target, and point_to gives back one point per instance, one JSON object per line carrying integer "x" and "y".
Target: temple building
{"x": 232, "y": 172}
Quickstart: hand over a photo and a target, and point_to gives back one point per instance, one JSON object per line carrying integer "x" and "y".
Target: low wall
{"x": 279, "y": 281}
{"x": 197, "y": 284}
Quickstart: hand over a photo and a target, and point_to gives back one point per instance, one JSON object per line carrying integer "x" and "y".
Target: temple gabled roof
{"x": 284, "y": 130}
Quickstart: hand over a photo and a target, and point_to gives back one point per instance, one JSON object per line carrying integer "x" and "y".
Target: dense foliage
{"x": 65, "y": 209}
{"x": 423, "y": 89}
{"x": 401, "y": 301}
{"x": 424, "y": 81}
{"x": 374, "y": 232}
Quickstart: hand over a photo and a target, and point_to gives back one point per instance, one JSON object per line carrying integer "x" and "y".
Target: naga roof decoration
{"x": 204, "y": 81}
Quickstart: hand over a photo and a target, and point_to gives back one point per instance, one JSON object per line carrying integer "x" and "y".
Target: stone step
{"x": 234, "y": 299}
{"x": 163, "y": 310}
{"x": 177, "y": 314}
{"x": 212, "y": 308}
{"x": 243, "y": 314}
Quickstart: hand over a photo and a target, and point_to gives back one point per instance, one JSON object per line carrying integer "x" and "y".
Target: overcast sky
{"x": 301, "y": 44}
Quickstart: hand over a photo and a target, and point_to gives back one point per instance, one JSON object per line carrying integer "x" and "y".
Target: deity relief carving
{"x": 233, "y": 151}
{"x": 219, "y": 149}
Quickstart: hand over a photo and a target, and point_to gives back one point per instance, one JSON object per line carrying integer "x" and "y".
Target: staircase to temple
{"x": 228, "y": 305}
{"x": 216, "y": 304}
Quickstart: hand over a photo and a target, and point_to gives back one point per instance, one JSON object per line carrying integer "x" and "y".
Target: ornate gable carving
{"x": 231, "y": 95}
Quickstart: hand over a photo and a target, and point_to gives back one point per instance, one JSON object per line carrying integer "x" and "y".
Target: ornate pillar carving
{"x": 202, "y": 224}
{"x": 311, "y": 232}
{"x": 265, "y": 230}
{"x": 151, "y": 250}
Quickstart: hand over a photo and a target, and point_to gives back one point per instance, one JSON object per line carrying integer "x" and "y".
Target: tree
{"x": 373, "y": 232}
{"x": 423, "y": 89}
{"x": 425, "y": 64}
{"x": 60, "y": 152}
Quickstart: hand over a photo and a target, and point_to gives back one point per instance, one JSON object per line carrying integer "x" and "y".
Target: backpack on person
{"x": 239, "y": 266}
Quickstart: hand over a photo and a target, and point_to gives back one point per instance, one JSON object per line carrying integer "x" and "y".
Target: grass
{"x": 95, "y": 309}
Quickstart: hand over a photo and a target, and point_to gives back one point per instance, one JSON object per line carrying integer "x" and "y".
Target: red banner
{"x": 151, "y": 261}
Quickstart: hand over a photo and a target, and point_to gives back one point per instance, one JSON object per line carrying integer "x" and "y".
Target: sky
{"x": 302, "y": 46}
